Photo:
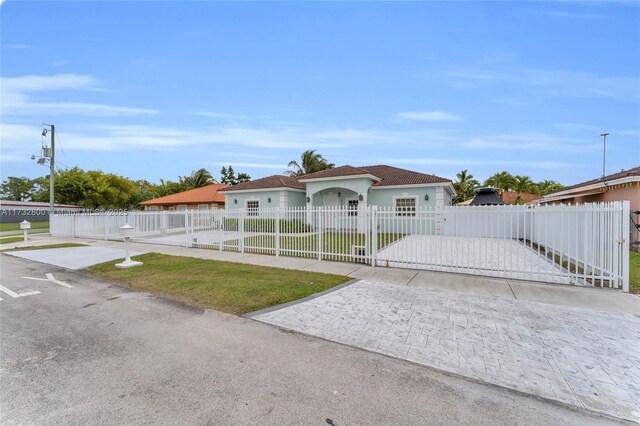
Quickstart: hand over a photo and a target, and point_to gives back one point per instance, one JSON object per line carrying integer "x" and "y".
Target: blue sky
{"x": 154, "y": 90}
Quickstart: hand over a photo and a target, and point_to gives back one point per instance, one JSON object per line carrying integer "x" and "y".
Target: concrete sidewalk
{"x": 557, "y": 294}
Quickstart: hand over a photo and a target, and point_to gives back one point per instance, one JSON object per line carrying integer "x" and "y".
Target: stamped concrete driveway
{"x": 583, "y": 357}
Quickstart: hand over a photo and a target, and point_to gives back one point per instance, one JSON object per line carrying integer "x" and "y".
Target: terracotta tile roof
{"x": 387, "y": 175}
{"x": 336, "y": 172}
{"x": 205, "y": 195}
{"x": 275, "y": 181}
{"x": 635, "y": 171}
{"x": 510, "y": 197}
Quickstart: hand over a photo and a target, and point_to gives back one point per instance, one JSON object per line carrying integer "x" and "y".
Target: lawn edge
{"x": 302, "y": 300}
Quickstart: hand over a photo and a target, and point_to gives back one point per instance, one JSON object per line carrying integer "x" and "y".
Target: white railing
{"x": 575, "y": 244}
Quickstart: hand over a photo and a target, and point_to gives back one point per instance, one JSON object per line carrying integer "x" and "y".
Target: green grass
{"x": 12, "y": 239}
{"x": 16, "y": 226}
{"x": 229, "y": 287}
{"x": 634, "y": 272}
{"x": 49, "y": 246}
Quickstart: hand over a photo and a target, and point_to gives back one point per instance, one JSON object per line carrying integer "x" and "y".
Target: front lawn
{"x": 634, "y": 272}
{"x": 7, "y": 240}
{"x": 16, "y": 226}
{"x": 225, "y": 286}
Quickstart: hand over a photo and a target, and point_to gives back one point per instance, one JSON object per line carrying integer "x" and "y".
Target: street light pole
{"x": 604, "y": 153}
{"x": 52, "y": 169}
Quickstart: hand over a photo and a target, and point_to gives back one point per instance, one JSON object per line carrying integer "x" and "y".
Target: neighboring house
{"x": 624, "y": 185}
{"x": 345, "y": 186}
{"x": 17, "y": 211}
{"x": 512, "y": 197}
{"x": 205, "y": 198}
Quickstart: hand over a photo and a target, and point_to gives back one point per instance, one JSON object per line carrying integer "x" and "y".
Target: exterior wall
{"x": 383, "y": 197}
{"x": 295, "y": 198}
{"x": 624, "y": 192}
{"x": 278, "y": 198}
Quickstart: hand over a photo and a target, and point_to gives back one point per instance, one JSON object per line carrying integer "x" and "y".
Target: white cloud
{"x": 428, "y": 116}
{"x": 551, "y": 83}
{"x": 18, "y": 97}
{"x": 530, "y": 142}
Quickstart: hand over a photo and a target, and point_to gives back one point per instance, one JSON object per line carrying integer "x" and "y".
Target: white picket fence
{"x": 583, "y": 244}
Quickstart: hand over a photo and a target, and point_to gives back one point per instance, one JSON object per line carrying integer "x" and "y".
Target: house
{"x": 345, "y": 186}
{"x": 624, "y": 185}
{"x": 205, "y": 198}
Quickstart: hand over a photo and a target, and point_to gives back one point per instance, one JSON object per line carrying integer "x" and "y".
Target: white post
{"x": 241, "y": 229}
{"x": 374, "y": 235}
{"x": 186, "y": 228}
{"x": 127, "y": 231}
{"x": 277, "y": 229}
{"x": 625, "y": 246}
{"x": 25, "y": 226}
{"x": 319, "y": 213}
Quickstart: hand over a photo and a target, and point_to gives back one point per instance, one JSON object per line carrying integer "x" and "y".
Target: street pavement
{"x": 76, "y": 350}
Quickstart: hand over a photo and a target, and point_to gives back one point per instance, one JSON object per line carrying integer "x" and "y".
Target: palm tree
{"x": 503, "y": 181}
{"x": 198, "y": 179}
{"x": 547, "y": 186}
{"x": 310, "y": 162}
{"x": 465, "y": 186}
{"x": 523, "y": 184}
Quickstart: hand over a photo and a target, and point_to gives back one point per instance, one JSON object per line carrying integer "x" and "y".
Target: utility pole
{"x": 52, "y": 169}
{"x": 604, "y": 153}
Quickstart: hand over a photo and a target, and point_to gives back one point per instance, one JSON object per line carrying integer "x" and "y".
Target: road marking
{"x": 51, "y": 278}
{"x": 14, "y": 294}
{"x": 62, "y": 283}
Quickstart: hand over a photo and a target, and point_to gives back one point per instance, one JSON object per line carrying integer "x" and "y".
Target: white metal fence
{"x": 576, "y": 244}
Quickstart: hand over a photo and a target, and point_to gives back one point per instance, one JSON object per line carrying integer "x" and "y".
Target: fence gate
{"x": 586, "y": 244}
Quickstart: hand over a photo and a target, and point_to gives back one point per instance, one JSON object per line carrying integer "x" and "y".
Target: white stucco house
{"x": 344, "y": 186}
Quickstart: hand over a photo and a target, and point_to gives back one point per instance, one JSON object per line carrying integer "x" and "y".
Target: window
{"x": 353, "y": 208}
{"x": 152, "y": 208}
{"x": 405, "y": 206}
{"x": 203, "y": 207}
{"x": 252, "y": 207}
{"x": 182, "y": 207}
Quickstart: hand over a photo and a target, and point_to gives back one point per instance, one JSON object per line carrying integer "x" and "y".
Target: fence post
{"x": 186, "y": 228}
{"x": 106, "y": 226}
{"x": 241, "y": 229}
{"x": 277, "y": 229}
{"x": 625, "y": 245}
{"x": 73, "y": 225}
{"x": 374, "y": 236}
{"x": 319, "y": 213}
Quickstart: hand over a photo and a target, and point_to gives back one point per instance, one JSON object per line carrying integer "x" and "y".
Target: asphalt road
{"x": 96, "y": 353}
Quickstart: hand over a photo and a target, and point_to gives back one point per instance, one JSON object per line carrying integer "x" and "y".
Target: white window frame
{"x": 203, "y": 207}
{"x": 405, "y": 213}
{"x": 153, "y": 208}
{"x": 252, "y": 211}
{"x": 182, "y": 207}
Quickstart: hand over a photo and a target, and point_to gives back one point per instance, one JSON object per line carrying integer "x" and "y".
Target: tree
{"x": 17, "y": 188}
{"x": 465, "y": 186}
{"x": 546, "y": 186}
{"x": 503, "y": 181}
{"x": 310, "y": 162}
{"x": 523, "y": 184}
{"x": 228, "y": 176}
{"x": 198, "y": 179}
